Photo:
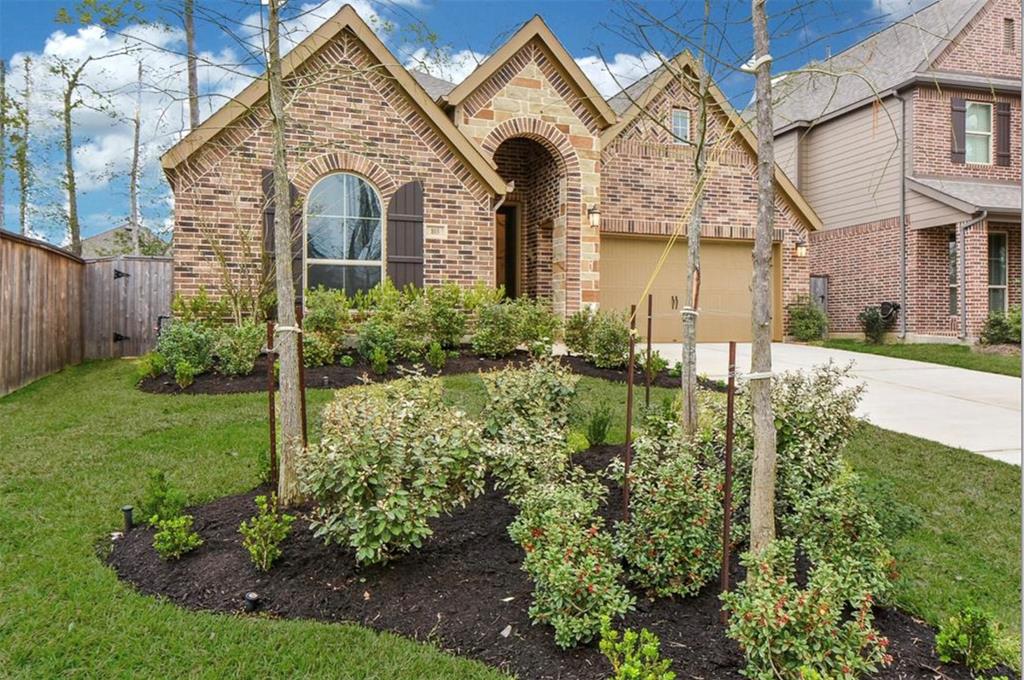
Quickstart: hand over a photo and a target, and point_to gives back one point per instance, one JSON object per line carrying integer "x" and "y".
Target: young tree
{"x": 762, "y": 483}
{"x": 4, "y": 113}
{"x": 20, "y": 140}
{"x": 193, "y": 80}
{"x": 133, "y": 180}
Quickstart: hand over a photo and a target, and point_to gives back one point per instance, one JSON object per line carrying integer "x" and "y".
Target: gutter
{"x": 962, "y": 247}
{"x": 903, "y": 215}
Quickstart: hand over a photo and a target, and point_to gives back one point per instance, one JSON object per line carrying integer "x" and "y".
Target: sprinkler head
{"x": 252, "y": 600}
{"x": 326, "y": 381}
{"x": 126, "y": 510}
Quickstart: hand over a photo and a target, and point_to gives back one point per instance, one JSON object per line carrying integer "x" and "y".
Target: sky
{"x": 602, "y": 37}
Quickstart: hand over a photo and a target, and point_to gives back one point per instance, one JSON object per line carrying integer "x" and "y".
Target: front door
{"x": 506, "y": 229}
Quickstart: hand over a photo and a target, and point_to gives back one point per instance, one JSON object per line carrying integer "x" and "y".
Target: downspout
{"x": 962, "y": 247}
{"x": 903, "y": 215}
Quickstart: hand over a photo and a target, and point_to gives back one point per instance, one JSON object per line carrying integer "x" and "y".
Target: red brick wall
{"x": 357, "y": 122}
{"x": 979, "y": 47}
{"x": 928, "y": 279}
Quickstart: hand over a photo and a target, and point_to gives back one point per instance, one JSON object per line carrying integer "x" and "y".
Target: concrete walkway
{"x": 980, "y": 412}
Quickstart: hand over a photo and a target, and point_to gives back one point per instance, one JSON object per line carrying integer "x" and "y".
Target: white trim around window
{"x": 680, "y": 125}
{"x": 978, "y": 129}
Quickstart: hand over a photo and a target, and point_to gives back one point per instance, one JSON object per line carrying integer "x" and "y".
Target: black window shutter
{"x": 268, "y": 213}
{"x": 1002, "y": 133}
{"x": 405, "y": 236}
{"x": 958, "y": 153}
{"x": 268, "y": 228}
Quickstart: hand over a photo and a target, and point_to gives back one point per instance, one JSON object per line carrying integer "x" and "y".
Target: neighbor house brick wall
{"x": 348, "y": 116}
{"x": 979, "y": 47}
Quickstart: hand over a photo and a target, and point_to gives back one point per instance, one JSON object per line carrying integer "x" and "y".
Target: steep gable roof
{"x": 345, "y": 18}
{"x": 534, "y": 28}
{"x": 634, "y": 99}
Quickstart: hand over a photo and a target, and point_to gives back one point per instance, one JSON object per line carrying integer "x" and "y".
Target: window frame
{"x": 953, "y": 274}
{"x": 990, "y": 134}
{"x": 1005, "y": 287}
{"x": 672, "y": 125}
{"x": 307, "y": 261}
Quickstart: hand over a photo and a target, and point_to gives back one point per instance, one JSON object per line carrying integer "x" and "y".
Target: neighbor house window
{"x": 1009, "y": 35}
{"x": 979, "y": 133}
{"x": 343, "y": 234}
{"x": 681, "y": 125}
{"x": 997, "y": 260}
{"x": 954, "y": 275}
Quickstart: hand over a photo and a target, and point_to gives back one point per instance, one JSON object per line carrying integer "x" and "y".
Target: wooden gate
{"x": 125, "y": 297}
{"x": 819, "y": 292}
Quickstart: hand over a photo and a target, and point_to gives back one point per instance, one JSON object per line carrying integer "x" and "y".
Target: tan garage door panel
{"x": 626, "y": 264}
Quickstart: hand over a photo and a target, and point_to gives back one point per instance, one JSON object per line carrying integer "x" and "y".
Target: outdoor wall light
{"x": 252, "y": 600}
{"x": 126, "y": 510}
{"x": 594, "y": 215}
{"x": 801, "y": 248}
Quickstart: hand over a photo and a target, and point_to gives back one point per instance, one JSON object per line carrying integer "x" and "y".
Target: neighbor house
{"x": 522, "y": 175}
{"x": 908, "y": 146}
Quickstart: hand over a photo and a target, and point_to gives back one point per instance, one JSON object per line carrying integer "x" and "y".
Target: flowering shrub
{"x": 237, "y": 346}
{"x": 174, "y": 537}
{"x": 634, "y": 656}
{"x": 262, "y": 535}
{"x": 570, "y": 558}
{"x": 968, "y": 637}
{"x": 391, "y": 457}
{"x": 790, "y": 632}
{"x": 187, "y": 341}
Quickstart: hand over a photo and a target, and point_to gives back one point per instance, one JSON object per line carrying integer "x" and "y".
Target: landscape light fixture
{"x": 126, "y": 510}
{"x": 252, "y": 600}
{"x": 801, "y": 248}
{"x": 594, "y": 215}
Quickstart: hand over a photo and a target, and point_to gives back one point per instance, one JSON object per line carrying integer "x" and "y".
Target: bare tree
{"x": 3, "y": 135}
{"x": 22, "y": 161}
{"x": 133, "y": 180}
{"x": 762, "y": 483}
{"x": 193, "y": 80}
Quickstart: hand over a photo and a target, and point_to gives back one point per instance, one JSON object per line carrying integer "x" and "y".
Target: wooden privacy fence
{"x": 57, "y": 309}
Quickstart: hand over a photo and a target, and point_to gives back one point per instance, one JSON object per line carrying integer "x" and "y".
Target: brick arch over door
{"x": 557, "y": 143}
{"x": 343, "y": 161}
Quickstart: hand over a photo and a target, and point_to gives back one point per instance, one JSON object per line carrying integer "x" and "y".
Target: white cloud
{"x": 451, "y": 66}
{"x": 897, "y": 9}
{"x": 621, "y": 71}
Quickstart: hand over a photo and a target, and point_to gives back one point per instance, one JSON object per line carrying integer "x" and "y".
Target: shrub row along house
{"x": 908, "y": 145}
{"x": 522, "y": 175}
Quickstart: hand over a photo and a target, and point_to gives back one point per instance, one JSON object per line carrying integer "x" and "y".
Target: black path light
{"x": 251, "y": 601}
{"x": 129, "y": 523}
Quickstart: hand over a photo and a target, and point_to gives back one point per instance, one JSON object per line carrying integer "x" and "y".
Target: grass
{"x": 78, "y": 445}
{"x": 960, "y": 356}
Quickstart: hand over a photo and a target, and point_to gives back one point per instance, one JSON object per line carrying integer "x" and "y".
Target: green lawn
{"x": 960, "y": 356}
{"x": 77, "y": 445}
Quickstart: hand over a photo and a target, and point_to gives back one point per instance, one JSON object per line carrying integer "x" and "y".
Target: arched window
{"x": 343, "y": 234}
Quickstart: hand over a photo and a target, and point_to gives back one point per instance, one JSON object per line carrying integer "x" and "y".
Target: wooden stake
{"x": 647, "y": 368}
{"x": 629, "y": 411}
{"x": 302, "y": 376}
{"x": 271, "y": 410}
{"x": 727, "y": 496}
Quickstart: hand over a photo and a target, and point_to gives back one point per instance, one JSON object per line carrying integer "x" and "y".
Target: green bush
{"x": 787, "y": 632}
{"x": 391, "y": 458}
{"x": 412, "y": 325}
{"x": 496, "y": 332}
{"x": 609, "y": 340}
{"x": 384, "y": 299}
{"x": 632, "y": 655}
{"x": 437, "y": 357}
{"x": 184, "y": 374}
{"x": 577, "y": 442}
{"x": 379, "y": 361}
{"x": 570, "y": 558}
{"x": 447, "y": 314}
{"x": 174, "y": 537}
{"x": 377, "y": 333}
{"x": 807, "y": 321}
{"x": 655, "y": 365}
{"x": 200, "y": 308}
{"x": 237, "y": 346}
{"x": 968, "y": 637}
{"x": 262, "y": 534}
{"x": 577, "y": 331}
{"x": 161, "y": 499}
{"x": 874, "y": 325}
{"x": 347, "y": 360}
{"x": 477, "y": 298}
{"x": 188, "y": 341}
{"x": 329, "y": 313}
{"x": 317, "y": 349}
{"x": 151, "y": 365}
{"x": 598, "y": 424}
{"x": 1002, "y": 328}
{"x": 535, "y": 322}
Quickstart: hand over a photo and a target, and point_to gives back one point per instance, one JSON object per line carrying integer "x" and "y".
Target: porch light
{"x": 801, "y": 248}
{"x": 594, "y": 215}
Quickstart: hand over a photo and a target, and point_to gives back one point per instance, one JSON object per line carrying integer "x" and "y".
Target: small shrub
{"x": 412, "y": 324}
{"x": 968, "y": 637}
{"x": 391, "y": 458}
{"x": 788, "y": 632}
{"x": 609, "y": 340}
{"x": 874, "y": 324}
{"x": 496, "y": 332}
{"x": 174, "y": 537}
{"x": 151, "y": 365}
{"x": 379, "y": 361}
{"x": 377, "y": 333}
{"x": 262, "y": 535}
{"x": 317, "y": 350}
{"x": 570, "y": 559}
{"x": 184, "y": 374}
{"x": 329, "y": 313}
{"x": 237, "y": 346}
{"x": 436, "y": 356}
{"x": 161, "y": 500}
{"x": 447, "y": 314}
{"x": 200, "y": 308}
{"x": 383, "y": 300}
{"x": 676, "y": 371}
{"x": 477, "y": 298}
{"x": 535, "y": 322}
{"x": 807, "y": 321}
{"x": 577, "y": 331}
{"x": 577, "y": 442}
{"x": 653, "y": 366}
{"x": 598, "y": 424}
{"x": 634, "y": 656}
{"x": 1002, "y": 328}
{"x": 347, "y": 360}
{"x": 187, "y": 341}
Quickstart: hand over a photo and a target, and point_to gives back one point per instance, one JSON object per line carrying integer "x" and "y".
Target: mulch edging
{"x": 461, "y": 591}
{"x": 337, "y": 376}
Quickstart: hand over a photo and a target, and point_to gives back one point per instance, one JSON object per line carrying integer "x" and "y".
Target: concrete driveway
{"x": 980, "y": 412}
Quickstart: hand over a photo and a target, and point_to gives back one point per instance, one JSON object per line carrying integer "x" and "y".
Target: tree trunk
{"x": 21, "y": 158}
{"x": 74, "y": 229}
{"x": 762, "y": 483}
{"x": 133, "y": 190}
{"x": 3, "y": 135}
{"x": 193, "y": 80}
{"x": 287, "y": 337}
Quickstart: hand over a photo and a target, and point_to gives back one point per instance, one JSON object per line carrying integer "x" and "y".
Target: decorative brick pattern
{"x": 979, "y": 47}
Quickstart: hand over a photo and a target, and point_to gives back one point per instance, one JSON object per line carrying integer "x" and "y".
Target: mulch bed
{"x": 337, "y": 376}
{"x": 460, "y": 591}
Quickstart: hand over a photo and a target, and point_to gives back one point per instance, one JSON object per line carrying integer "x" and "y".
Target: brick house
{"x": 523, "y": 175}
{"x": 919, "y": 187}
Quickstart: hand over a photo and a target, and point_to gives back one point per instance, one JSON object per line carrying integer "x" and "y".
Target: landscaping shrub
{"x": 632, "y": 655}
{"x": 184, "y": 374}
{"x": 535, "y": 323}
{"x": 377, "y": 333}
{"x": 570, "y": 558}
{"x": 329, "y": 313}
{"x": 317, "y": 350}
{"x": 477, "y": 298}
{"x": 200, "y": 308}
{"x": 654, "y": 365}
{"x": 496, "y": 331}
{"x": 577, "y": 331}
{"x": 262, "y": 535}
{"x": 237, "y": 346}
{"x": 598, "y": 424}
{"x": 447, "y": 314}
{"x": 412, "y": 324}
{"x": 174, "y": 537}
{"x": 379, "y": 361}
{"x": 384, "y": 299}
{"x": 151, "y": 365}
{"x": 874, "y": 324}
{"x": 788, "y": 632}
{"x": 347, "y": 360}
{"x": 577, "y": 442}
{"x": 161, "y": 499}
{"x": 437, "y": 357}
{"x": 1002, "y": 328}
{"x": 187, "y": 341}
{"x": 968, "y": 637}
{"x": 391, "y": 457}
{"x": 609, "y": 340}
{"x": 807, "y": 321}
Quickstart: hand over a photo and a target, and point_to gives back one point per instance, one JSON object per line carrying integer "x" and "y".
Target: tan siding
{"x": 927, "y": 212}
{"x": 787, "y": 155}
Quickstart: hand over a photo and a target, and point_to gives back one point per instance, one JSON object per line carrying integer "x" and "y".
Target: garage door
{"x": 726, "y": 268}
